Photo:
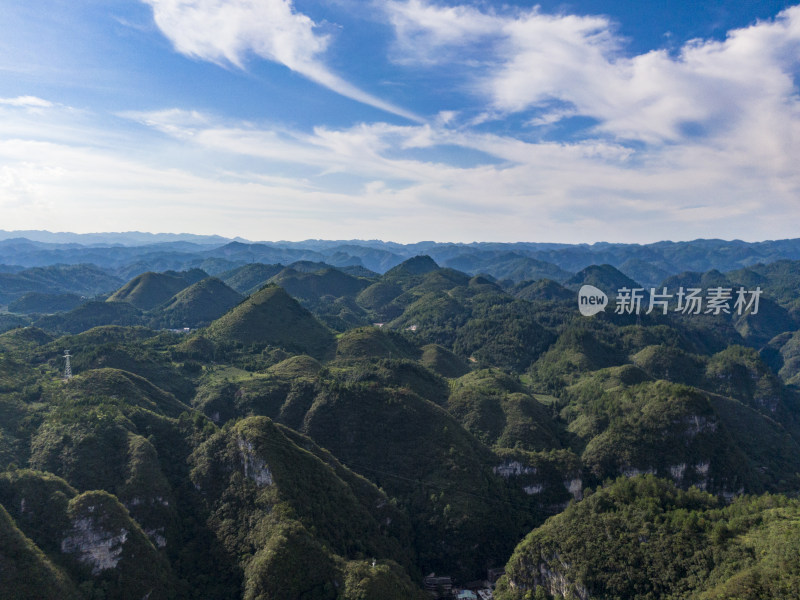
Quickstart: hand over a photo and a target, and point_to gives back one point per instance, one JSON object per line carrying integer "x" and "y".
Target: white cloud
{"x": 226, "y": 32}
{"x": 425, "y": 32}
{"x": 180, "y": 169}
{"x": 174, "y": 121}
{"x": 711, "y": 88}
{"x": 551, "y": 117}
{"x": 584, "y": 191}
{"x": 28, "y": 102}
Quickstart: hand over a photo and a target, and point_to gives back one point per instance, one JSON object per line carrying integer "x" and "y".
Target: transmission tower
{"x": 67, "y": 367}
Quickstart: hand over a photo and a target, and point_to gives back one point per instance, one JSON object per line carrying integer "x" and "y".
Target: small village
{"x": 443, "y": 586}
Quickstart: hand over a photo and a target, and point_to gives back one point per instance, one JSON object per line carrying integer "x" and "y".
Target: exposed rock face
{"x": 677, "y": 472}
{"x": 549, "y": 575}
{"x": 558, "y": 585}
{"x": 136, "y": 501}
{"x": 93, "y": 544}
{"x": 701, "y": 469}
{"x": 634, "y": 472}
{"x": 509, "y": 468}
{"x": 157, "y": 537}
{"x": 574, "y": 487}
{"x": 697, "y": 424}
{"x": 254, "y": 467}
{"x": 102, "y": 536}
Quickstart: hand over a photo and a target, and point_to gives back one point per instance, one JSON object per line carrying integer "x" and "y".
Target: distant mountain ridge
{"x": 127, "y": 238}
{"x": 91, "y": 271}
{"x": 130, "y": 254}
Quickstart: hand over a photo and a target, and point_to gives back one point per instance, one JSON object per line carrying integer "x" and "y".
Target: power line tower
{"x": 67, "y": 367}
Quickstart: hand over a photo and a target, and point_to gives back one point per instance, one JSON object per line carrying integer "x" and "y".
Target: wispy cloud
{"x": 587, "y": 190}
{"x": 428, "y": 34}
{"x": 26, "y": 102}
{"x": 531, "y": 59}
{"x": 228, "y": 32}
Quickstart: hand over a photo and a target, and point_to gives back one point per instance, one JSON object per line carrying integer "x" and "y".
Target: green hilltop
{"x": 605, "y": 277}
{"x": 249, "y": 278}
{"x": 272, "y": 317}
{"x": 148, "y": 290}
{"x": 198, "y": 304}
{"x": 312, "y": 286}
{"x": 418, "y": 265}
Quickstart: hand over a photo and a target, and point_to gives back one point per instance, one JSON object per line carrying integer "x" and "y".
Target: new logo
{"x": 591, "y": 300}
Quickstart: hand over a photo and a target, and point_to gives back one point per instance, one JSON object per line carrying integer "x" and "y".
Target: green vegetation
{"x": 379, "y": 294}
{"x": 508, "y": 265}
{"x": 604, "y": 277}
{"x": 296, "y": 366}
{"x": 643, "y": 538}
{"x": 338, "y": 434}
{"x": 111, "y": 553}
{"x": 495, "y": 407}
{"x": 136, "y": 350}
{"x": 542, "y": 289}
{"x": 313, "y": 286}
{"x": 81, "y": 279}
{"x": 249, "y": 278}
{"x": 418, "y": 265}
{"x": 419, "y": 454}
{"x": 37, "y": 501}
{"x": 258, "y": 484}
{"x": 372, "y": 342}
{"x": 25, "y": 572}
{"x": 440, "y": 360}
{"x": 272, "y": 317}
{"x": 38, "y": 302}
{"x": 148, "y": 290}
{"x": 92, "y": 314}
{"x": 785, "y": 357}
{"x": 197, "y": 305}
{"x": 9, "y": 321}
{"x": 648, "y": 273}
{"x": 384, "y": 579}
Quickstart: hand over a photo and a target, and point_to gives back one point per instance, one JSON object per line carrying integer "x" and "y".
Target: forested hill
{"x": 281, "y": 431}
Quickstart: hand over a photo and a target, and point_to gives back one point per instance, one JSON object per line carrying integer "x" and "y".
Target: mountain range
{"x": 282, "y": 430}
{"x": 130, "y": 254}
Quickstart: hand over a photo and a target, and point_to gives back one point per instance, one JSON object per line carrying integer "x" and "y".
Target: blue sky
{"x": 402, "y": 120}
